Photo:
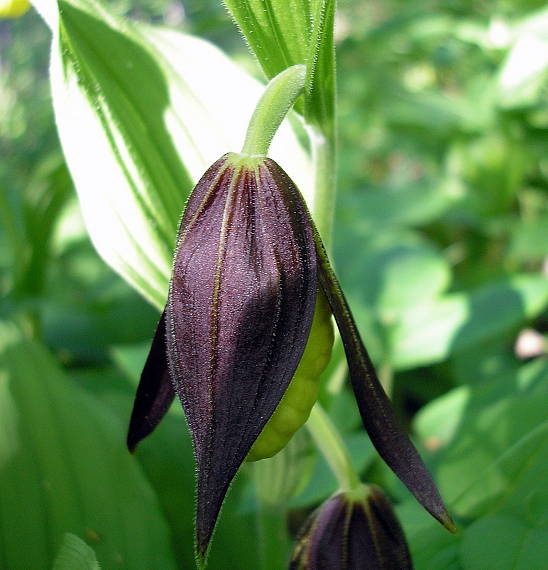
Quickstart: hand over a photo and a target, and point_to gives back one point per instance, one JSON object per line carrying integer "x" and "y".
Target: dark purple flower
{"x": 241, "y": 300}
{"x": 239, "y": 312}
{"x": 355, "y": 530}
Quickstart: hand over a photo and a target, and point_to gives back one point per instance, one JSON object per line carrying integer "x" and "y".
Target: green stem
{"x": 271, "y": 512}
{"x": 273, "y": 539}
{"x": 337, "y": 378}
{"x": 329, "y": 442}
{"x": 324, "y": 161}
{"x": 279, "y": 96}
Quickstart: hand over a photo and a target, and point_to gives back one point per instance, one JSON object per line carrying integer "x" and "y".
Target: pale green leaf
{"x": 431, "y": 332}
{"x": 528, "y": 240}
{"x": 64, "y": 468}
{"x": 406, "y": 205}
{"x": 504, "y": 543}
{"x": 439, "y": 422}
{"x": 498, "y": 460}
{"x": 422, "y": 269}
{"x": 141, "y": 113}
{"x": 75, "y": 554}
{"x": 522, "y": 77}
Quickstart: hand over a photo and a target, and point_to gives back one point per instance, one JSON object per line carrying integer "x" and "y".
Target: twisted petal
{"x": 239, "y": 313}
{"x": 378, "y": 416}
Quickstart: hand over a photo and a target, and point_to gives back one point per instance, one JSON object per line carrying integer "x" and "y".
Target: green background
{"x": 440, "y": 242}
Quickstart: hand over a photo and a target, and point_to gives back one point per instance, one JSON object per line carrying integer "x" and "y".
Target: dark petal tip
{"x": 155, "y": 392}
{"x": 448, "y": 523}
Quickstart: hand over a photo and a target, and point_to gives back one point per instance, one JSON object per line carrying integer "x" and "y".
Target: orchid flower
{"x": 248, "y": 266}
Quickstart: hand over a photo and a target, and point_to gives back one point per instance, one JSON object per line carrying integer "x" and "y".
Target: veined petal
{"x": 239, "y": 312}
{"x": 155, "y": 392}
{"x": 378, "y": 416}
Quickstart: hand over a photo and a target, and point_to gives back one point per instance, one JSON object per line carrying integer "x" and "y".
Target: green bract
{"x": 294, "y": 409}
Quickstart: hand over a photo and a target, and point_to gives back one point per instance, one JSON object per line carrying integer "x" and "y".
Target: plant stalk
{"x": 274, "y": 543}
{"x": 279, "y": 96}
{"x": 324, "y": 161}
{"x": 329, "y": 442}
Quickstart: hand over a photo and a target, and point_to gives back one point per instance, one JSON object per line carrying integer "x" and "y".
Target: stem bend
{"x": 279, "y": 96}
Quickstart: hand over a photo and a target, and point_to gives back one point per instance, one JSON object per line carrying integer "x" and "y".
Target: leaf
{"x": 136, "y": 101}
{"x": 424, "y": 271}
{"x": 30, "y": 218}
{"x": 498, "y": 458}
{"x": 431, "y": 547}
{"x": 493, "y": 167}
{"x": 435, "y": 113}
{"x": 282, "y": 34}
{"x": 130, "y": 359}
{"x": 168, "y": 463}
{"x": 437, "y": 423}
{"x": 374, "y": 285}
{"x": 505, "y": 543}
{"x": 411, "y": 204}
{"x": 430, "y": 333}
{"x": 63, "y": 461}
{"x": 514, "y": 514}
{"x": 441, "y": 421}
{"x": 75, "y": 554}
{"x": 528, "y": 241}
{"x": 523, "y": 74}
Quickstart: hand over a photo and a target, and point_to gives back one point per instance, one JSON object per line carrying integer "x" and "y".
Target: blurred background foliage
{"x": 440, "y": 242}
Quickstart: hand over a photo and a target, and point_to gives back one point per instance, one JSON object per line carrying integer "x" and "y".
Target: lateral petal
{"x": 378, "y": 416}
{"x": 155, "y": 392}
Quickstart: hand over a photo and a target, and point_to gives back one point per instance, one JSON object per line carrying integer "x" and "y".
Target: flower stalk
{"x": 279, "y": 96}
{"x": 324, "y": 162}
{"x": 329, "y": 442}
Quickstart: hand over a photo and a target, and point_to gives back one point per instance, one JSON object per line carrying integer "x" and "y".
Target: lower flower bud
{"x": 353, "y": 530}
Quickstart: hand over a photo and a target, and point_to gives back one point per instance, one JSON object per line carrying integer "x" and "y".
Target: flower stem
{"x": 273, "y": 540}
{"x": 275, "y": 482}
{"x": 279, "y": 96}
{"x": 324, "y": 161}
{"x": 329, "y": 442}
